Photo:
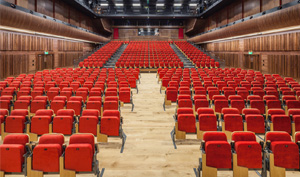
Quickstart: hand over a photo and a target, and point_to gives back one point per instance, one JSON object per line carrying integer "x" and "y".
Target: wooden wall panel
{"x": 69, "y": 46}
{"x": 61, "y": 11}
{"x": 45, "y": 7}
{"x": 13, "y": 65}
{"x": 19, "y": 42}
{"x": 235, "y": 12}
{"x": 287, "y": 65}
{"x": 251, "y": 7}
{"x": 19, "y": 52}
{"x": 283, "y": 42}
{"x": 269, "y": 4}
{"x": 67, "y": 59}
{"x": 74, "y": 17}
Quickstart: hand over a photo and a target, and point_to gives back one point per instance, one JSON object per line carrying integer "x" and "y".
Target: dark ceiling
{"x": 149, "y": 9}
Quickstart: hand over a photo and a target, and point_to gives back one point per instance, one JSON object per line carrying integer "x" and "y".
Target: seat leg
{"x": 101, "y": 137}
{"x": 30, "y": 172}
{"x": 238, "y": 171}
{"x": 199, "y": 132}
{"x": 179, "y": 134}
{"x": 208, "y": 171}
{"x": 2, "y": 174}
{"x": 276, "y": 171}
{"x": 62, "y": 171}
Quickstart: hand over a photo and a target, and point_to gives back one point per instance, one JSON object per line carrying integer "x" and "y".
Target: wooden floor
{"x": 149, "y": 151}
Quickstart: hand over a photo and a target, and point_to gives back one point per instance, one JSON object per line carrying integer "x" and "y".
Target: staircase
{"x": 112, "y": 61}
{"x": 186, "y": 62}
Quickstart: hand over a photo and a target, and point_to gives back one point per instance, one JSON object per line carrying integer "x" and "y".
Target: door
{"x": 44, "y": 62}
{"x": 252, "y": 62}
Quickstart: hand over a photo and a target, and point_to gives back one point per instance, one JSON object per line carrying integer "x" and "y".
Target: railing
{"x": 80, "y": 59}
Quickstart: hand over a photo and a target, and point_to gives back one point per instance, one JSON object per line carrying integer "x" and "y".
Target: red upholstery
{"x": 286, "y": 154}
{"x": 79, "y": 157}
{"x": 218, "y": 154}
{"x": 171, "y": 93}
{"x": 15, "y": 124}
{"x": 75, "y": 105}
{"x": 208, "y": 122}
{"x": 12, "y": 151}
{"x": 296, "y": 120}
{"x": 52, "y": 139}
{"x": 110, "y": 105}
{"x": 187, "y": 123}
{"x": 88, "y": 124}
{"x": 233, "y": 122}
{"x": 255, "y": 123}
{"x": 110, "y": 125}
{"x": 281, "y": 123}
{"x": 46, "y": 157}
{"x": 185, "y": 103}
{"x": 40, "y": 124}
{"x": 63, "y": 124}
{"x": 11, "y": 158}
{"x": 248, "y": 154}
{"x": 220, "y": 104}
{"x": 258, "y": 104}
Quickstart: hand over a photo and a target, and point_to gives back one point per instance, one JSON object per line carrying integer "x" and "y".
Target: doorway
{"x": 44, "y": 62}
{"x": 252, "y": 62}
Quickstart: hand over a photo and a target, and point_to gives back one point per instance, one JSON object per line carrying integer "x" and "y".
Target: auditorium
{"x": 149, "y": 88}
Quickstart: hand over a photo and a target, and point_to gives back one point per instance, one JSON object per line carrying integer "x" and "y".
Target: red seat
{"x": 187, "y": 123}
{"x": 12, "y": 151}
{"x": 248, "y": 151}
{"x": 286, "y": 153}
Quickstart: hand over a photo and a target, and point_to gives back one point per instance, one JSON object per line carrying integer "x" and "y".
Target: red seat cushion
{"x": 63, "y": 124}
{"x": 88, "y": 124}
{"x": 40, "y": 124}
{"x": 187, "y": 123}
{"x": 11, "y": 158}
{"x": 248, "y": 154}
{"x": 79, "y": 157}
{"x": 207, "y": 122}
{"x": 286, "y": 154}
{"x": 255, "y": 123}
{"x": 218, "y": 154}
{"x": 46, "y": 157}
{"x": 110, "y": 125}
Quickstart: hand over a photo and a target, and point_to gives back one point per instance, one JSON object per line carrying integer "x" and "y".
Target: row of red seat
{"x": 18, "y": 155}
{"x": 276, "y": 154}
{"x": 144, "y": 54}
{"x": 206, "y": 103}
{"x": 100, "y": 57}
{"x": 196, "y": 56}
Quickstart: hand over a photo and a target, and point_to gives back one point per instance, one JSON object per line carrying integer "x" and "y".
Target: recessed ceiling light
{"x": 193, "y": 4}
{"x": 177, "y": 4}
{"x": 119, "y": 4}
{"x": 136, "y": 4}
{"x": 160, "y": 5}
{"x": 104, "y": 4}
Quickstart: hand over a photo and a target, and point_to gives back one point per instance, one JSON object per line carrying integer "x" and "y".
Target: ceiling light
{"x": 160, "y": 5}
{"x": 104, "y": 4}
{"x": 136, "y": 4}
{"x": 194, "y": 5}
{"x": 177, "y": 4}
{"x": 119, "y": 4}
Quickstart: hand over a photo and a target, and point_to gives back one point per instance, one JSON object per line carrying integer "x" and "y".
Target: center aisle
{"x": 149, "y": 150}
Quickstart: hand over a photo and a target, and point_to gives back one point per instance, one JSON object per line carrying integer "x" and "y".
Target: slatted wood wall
{"x": 271, "y": 54}
{"x": 19, "y": 52}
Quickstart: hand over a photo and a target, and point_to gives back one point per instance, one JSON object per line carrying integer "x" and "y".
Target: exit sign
{"x": 250, "y": 52}
{"x": 46, "y": 53}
